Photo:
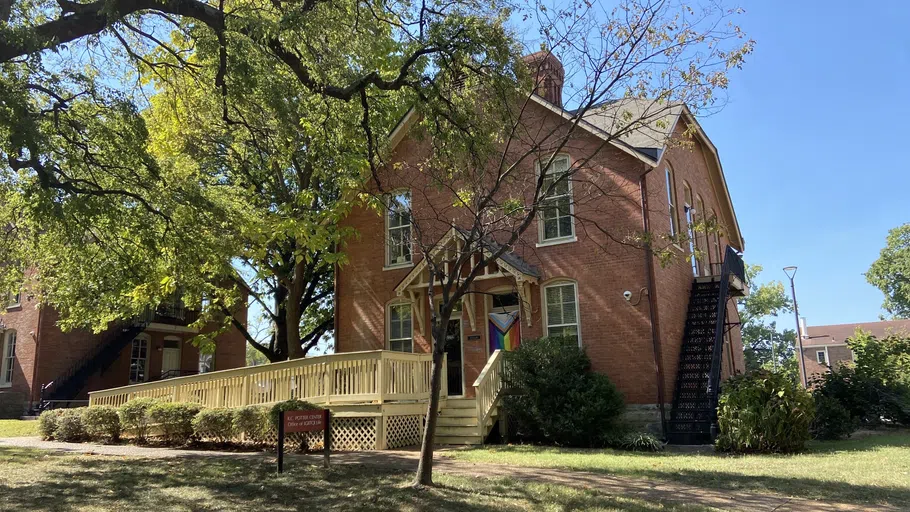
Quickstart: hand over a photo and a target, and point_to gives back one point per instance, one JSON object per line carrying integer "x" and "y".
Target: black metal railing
{"x": 170, "y": 313}
{"x": 733, "y": 266}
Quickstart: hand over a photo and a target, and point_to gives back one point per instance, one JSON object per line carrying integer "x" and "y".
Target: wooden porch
{"x": 378, "y": 398}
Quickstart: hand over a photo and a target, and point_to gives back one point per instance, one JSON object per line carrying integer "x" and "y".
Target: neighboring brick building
{"x": 583, "y": 277}
{"x": 37, "y": 353}
{"x": 825, "y": 346}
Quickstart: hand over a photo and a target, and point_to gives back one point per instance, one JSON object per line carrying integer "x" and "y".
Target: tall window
{"x": 556, "y": 206}
{"x": 821, "y": 356}
{"x": 398, "y": 229}
{"x": 690, "y": 227}
{"x": 9, "y": 358}
{"x": 562, "y": 310}
{"x": 401, "y": 334}
{"x": 701, "y": 248}
{"x": 15, "y": 299}
{"x": 139, "y": 360}
{"x": 718, "y": 254}
{"x": 671, "y": 200}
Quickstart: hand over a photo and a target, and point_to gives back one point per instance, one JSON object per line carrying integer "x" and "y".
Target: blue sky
{"x": 811, "y": 145}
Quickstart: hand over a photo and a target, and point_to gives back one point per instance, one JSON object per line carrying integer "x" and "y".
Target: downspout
{"x": 652, "y": 303}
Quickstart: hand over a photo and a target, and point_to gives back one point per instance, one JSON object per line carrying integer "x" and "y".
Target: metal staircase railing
{"x": 733, "y": 266}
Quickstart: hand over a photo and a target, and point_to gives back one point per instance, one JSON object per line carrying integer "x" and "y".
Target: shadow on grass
{"x": 38, "y": 480}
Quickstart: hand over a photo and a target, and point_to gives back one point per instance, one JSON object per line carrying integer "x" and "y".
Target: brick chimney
{"x": 548, "y": 75}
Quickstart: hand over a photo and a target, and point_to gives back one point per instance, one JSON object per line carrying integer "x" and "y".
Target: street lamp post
{"x": 791, "y": 273}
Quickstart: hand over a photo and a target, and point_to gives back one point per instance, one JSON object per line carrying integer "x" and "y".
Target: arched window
{"x": 671, "y": 201}
{"x": 398, "y": 229}
{"x": 718, "y": 250}
{"x": 701, "y": 237}
{"x": 690, "y": 227}
{"x": 9, "y": 358}
{"x": 400, "y": 330}
{"x": 561, "y": 311}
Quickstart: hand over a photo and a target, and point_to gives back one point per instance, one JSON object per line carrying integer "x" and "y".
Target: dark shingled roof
{"x": 829, "y": 334}
{"x": 508, "y": 257}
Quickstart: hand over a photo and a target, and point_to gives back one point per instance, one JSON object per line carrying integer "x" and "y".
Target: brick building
{"x": 37, "y": 353}
{"x": 825, "y": 346}
{"x": 626, "y": 310}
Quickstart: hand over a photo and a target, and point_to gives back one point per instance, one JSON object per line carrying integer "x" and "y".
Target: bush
{"x": 215, "y": 424}
{"x": 47, "y": 423}
{"x": 832, "y": 419}
{"x": 175, "y": 420}
{"x": 555, "y": 398}
{"x": 765, "y": 412}
{"x": 69, "y": 426}
{"x": 102, "y": 423}
{"x": 252, "y": 422}
{"x": 868, "y": 399}
{"x": 134, "y": 416}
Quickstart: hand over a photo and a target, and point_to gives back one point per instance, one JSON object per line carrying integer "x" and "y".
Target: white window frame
{"x": 388, "y": 323}
{"x": 671, "y": 200}
{"x": 148, "y": 347}
{"x": 543, "y": 298}
{"x": 826, "y": 362}
{"x": 389, "y": 264}
{"x": 8, "y": 363}
{"x": 541, "y": 223}
{"x": 15, "y": 299}
{"x": 689, "y": 214}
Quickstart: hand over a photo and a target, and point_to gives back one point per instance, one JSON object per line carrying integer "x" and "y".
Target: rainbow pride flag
{"x": 505, "y": 331}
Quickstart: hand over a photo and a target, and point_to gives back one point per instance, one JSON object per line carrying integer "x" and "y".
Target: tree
{"x": 765, "y": 346}
{"x": 199, "y": 148}
{"x": 476, "y": 189}
{"x": 890, "y": 273}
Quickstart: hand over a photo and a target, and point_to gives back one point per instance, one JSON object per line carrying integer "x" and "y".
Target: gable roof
{"x": 838, "y": 333}
{"x": 646, "y": 143}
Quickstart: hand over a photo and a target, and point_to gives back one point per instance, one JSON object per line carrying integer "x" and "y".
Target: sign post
{"x": 311, "y": 420}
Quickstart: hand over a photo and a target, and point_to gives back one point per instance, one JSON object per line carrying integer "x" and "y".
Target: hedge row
{"x": 177, "y": 422}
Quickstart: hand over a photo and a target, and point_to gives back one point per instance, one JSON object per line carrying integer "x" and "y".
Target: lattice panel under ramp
{"x": 348, "y": 435}
{"x": 403, "y": 431}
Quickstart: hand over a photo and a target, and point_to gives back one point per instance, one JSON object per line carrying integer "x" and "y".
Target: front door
{"x": 170, "y": 362}
{"x": 453, "y": 354}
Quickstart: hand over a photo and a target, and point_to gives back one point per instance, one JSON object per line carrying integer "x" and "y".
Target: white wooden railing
{"x": 352, "y": 377}
{"x": 487, "y": 388}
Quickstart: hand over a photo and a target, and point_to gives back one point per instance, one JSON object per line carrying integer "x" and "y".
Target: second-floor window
{"x": 671, "y": 200}
{"x": 398, "y": 229}
{"x": 821, "y": 356}
{"x": 556, "y": 202}
{"x": 139, "y": 360}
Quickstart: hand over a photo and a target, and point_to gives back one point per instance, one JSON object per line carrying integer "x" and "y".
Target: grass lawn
{"x": 868, "y": 470}
{"x": 40, "y": 480}
{"x": 18, "y": 428}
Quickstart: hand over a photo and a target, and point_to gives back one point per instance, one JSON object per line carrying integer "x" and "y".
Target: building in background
{"x": 825, "y": 346}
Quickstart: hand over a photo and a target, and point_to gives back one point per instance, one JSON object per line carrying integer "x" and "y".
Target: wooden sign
{"x": 305, "y": 421}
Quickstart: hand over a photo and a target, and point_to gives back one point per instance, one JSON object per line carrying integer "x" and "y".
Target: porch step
{"x": 461, "y": 403}
{"x": 459, "y": 440}
{"x": 457, "y": 421}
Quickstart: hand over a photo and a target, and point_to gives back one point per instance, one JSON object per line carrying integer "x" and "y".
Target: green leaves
{"x": 890, "y": 273}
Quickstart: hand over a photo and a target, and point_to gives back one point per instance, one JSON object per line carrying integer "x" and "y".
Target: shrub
{"x": 215, "y": 424}
{"x": 867, "y": 398}
{"x": 134, "y": 416}
{"x": 102, "y": 423}
{"x": 832, "y": 419}
{"x": 175, "y": 420}
{"x": 252, "y": 422}
{"x": 555, "y": 398}
{"x": 639, "y": 442}
{"x": 764, "y": 411}
{"x": 47, "y": 423}
{"x": 69, "y": 426}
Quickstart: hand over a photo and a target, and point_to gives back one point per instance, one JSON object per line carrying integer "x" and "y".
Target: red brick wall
{"x": 615, "y": 333}
{"x": 24, "y": 320}
{"x": 837, "y": 354}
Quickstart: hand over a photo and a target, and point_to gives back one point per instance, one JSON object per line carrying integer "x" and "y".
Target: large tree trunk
{"x": 425, "y": 466}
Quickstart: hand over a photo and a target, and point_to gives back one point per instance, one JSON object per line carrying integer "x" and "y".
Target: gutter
{"x": 652, "y": 304}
